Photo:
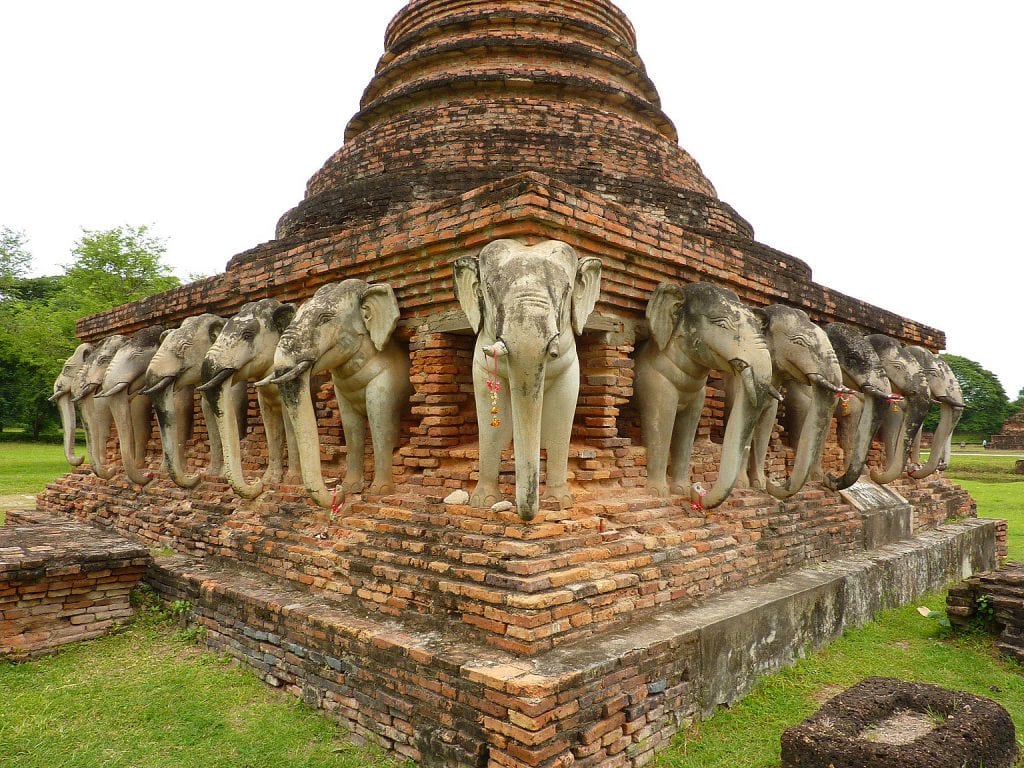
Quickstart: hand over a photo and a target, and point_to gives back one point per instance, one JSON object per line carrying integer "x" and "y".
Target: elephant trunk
{"x": 67, "y": 422}
{"x": 949, "y": 416}
{"x": 870, "y": 422}
{"x": 221, "y": 397}
{"x": 164, "y": 403}
{"x": 527, "y": 403}
{"x": 297, "y": 403}
{"x": 97, "y": 429}
{"x": 121, "y": 410}
{"x": 737, "y": 437}
{"x": 811, "y": 442}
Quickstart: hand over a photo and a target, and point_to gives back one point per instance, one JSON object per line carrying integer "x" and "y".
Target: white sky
{"x": 881, "y": 142}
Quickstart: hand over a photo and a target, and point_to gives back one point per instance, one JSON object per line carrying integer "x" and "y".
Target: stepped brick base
{"x": 995, "y": 599}
{"x": 441, "y": 698}
{"x": 61, "y": 582}
{"x": 523, "y": 588}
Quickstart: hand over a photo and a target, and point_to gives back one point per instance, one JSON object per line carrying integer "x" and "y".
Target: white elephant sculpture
{"x": 694, "y": 329}
{"x": 527, "y": 305}
{"x": 63, "y": 392}
{"x": 345, "y": 328}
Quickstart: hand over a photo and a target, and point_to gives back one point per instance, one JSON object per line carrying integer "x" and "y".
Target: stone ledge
{"x": 441, "y": 699}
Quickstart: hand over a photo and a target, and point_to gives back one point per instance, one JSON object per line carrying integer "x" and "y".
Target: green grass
{"x": 999, "y": 491}
{"x": 148, "y": 699}
{"x": 28, "y": 467}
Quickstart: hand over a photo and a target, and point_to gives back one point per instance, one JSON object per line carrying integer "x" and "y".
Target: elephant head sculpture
{"x": 804, "y": 362}
{"x": 527, "y": 305}
{"x": 900, "y": 425}
{"x": 345, "y": 328}
{"x": 945, "y": 390}
{"x": 243, "y": 352}
{"x": 859, "y": 416}
{"x": 173, "y": 374}
{"x": 694, "y": 329}
{"x": 96, "y": 412}
{"x": 63, "y": 392}
{"x": 132, "y": 411}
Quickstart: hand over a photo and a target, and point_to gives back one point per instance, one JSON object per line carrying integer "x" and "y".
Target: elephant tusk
{"x": 57, "y": 395}
{"x": 115, "y": 390}
{"x": 87, "y": 390}
{"x": 161, "y": 385}
{"x": 773, "y": 392}
{"x": 821, "y": 381}
{"x": 289, "y": 375}
{"x": 219, "y": 378}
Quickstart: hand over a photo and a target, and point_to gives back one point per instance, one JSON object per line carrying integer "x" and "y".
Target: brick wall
{"x": 61, "y": 582}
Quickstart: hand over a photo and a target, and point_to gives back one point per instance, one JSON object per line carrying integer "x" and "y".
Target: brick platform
{"x": 61, "y": 582}
{"x": 1011, "y": 438}
{"x": 436, "y": 695}
{"x": 1003, "y": 593}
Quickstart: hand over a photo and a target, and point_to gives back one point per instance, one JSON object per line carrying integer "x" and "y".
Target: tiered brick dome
{"x": 473, "y": 91}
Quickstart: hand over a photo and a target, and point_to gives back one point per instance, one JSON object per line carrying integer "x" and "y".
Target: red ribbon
{"x": 335, "y": 504}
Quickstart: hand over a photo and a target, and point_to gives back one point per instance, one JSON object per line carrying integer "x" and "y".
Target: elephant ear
{"x": 585, "y": 291}
{"x": 380, "y": 313}
{"x": 663, "y": 312}
{"x": 215, "y": 328}
{"x": 165, "y": 334}
{"x": 283, "y": 316}
{"x": 467, "y": 290}
{"x": 87, "y": 350}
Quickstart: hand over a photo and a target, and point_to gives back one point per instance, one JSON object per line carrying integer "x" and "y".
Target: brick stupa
{"x": 1011, "y": 437}
{"x": 464, "y": 637}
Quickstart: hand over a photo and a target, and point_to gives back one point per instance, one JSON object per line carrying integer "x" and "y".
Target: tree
{"x": 38, "y": 315}
{"x": 15, "y": 260}
{"x": 987, "y": 404}
{"x": 117, "y": 266}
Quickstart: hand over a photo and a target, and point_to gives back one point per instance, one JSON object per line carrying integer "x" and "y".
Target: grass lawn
{"x": 28, "y": 467}
{"x": 147, "y": 698}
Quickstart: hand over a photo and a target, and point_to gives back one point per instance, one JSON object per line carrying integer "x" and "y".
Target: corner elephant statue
{"x": 132, "y": 411}
{"x": 171, "y": 380}
{"x": 527, "y": 304}
{"x": 96, "y": 412}
{"x": 243, "y": 352}
{"x": 63, "y": 392}
{"x": 900, "y": 425}
{"x": 694, "y": 329}
{"x": 345, "y": 328}
{"x": 803, "y": 362}
{"x": 858, "y": 416}
{"x": 945, "y": 390}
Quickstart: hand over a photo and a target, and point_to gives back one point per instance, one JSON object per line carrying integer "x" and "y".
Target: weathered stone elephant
{"x": 858, "y": 416}
{"x": 96, "y": 412}
{"x": 527, "y": 305}
{"x": 694, "y": 329}
{"x": 345, "y": 328}
{"x": 804, "y": 362}
{"x": 123, "y": 383}
{"x": 171, "y": 380}
{"x": 244, "y": 351}
{"x": 900, "y": 425}
{"x": 945, "y": 390}
{"x": 63, "y": 392}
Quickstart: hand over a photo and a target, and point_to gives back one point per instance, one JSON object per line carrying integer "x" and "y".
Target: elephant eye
{"x": 721, "y": 322}
{"x": 248, "y": 335}
{"x": 326, "y": 317}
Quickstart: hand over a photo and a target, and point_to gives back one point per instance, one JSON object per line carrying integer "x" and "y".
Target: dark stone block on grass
{"x": 887, "y": 723}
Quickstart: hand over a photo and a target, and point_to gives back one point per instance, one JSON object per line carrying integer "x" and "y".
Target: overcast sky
{"x": 880, "y": 142}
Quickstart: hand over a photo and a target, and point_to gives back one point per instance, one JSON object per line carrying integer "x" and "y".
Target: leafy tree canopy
{"x": 987, "y": 404}
{"x": 38, "y": 315}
